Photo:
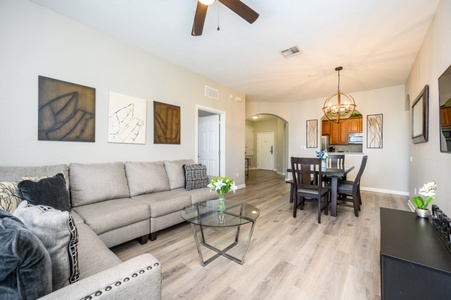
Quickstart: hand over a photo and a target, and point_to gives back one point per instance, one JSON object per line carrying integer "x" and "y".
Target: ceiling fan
{"x": 236, "y": 6}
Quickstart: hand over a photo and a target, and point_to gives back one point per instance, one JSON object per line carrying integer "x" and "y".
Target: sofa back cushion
{"x": 146, "y": 177}
{"x": 91, "y": 183}
{"x": 17, "y": 173}
{"x": 176, "y": 174}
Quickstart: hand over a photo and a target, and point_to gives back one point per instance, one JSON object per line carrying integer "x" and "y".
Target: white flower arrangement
{"x": 222, "y": 185}
{"x": 426, "y": 195}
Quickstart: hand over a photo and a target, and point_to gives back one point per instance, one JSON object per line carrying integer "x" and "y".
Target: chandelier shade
{"x": 339, "y": 107}
{"x": 206, "y": 2}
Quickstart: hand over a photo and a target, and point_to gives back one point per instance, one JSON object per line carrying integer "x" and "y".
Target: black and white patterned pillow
{"x": 9, "y": 196}
{"x": 57, "y": 231}
{"x": 195, "y": 176}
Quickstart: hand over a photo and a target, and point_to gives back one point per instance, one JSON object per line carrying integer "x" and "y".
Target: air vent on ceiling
{"x": 211, "y": 92}
{"x": 290, "y": 52}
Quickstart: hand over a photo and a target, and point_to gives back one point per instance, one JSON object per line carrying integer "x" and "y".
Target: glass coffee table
{"x": 206, "y": 214}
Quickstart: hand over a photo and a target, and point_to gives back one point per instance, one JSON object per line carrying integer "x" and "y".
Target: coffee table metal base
{"x": 202, "y": 242}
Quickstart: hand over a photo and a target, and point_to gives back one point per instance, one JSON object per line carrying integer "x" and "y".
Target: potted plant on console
{"x": 425, "y": 197}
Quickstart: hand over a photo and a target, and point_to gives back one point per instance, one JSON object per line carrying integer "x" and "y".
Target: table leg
{"x": 333, "y": 196}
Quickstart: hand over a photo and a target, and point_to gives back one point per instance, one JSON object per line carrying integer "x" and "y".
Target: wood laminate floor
{"x": 287, "y": 259}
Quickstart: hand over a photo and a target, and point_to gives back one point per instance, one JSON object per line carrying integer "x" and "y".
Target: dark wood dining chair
{"x": 349, "y": 191}
{"x": 308, "y": 185}
{"x": 334, "y": 161}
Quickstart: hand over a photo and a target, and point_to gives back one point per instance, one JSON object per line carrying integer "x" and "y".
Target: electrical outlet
{"x": 415, "y": 192}
{"x": 237, "y": 174}
{"x": 303, "y": 147}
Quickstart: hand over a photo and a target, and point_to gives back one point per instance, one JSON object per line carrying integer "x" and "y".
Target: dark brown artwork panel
{"x": 166, "y": 123}
{"x": 66, "y": 111}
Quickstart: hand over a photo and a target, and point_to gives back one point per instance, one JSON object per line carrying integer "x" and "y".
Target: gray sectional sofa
{"x": 113, "y": 203}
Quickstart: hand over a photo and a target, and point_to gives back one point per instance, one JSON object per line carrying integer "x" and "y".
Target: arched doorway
{"x": 267, "y": 143}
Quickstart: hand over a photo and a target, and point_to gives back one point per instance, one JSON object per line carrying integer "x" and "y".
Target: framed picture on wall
{"x": 166, "y": 128}
{"x": 374, "y": 131}
{"x": 420, "y": 117}
{"x": 312, "y": 134}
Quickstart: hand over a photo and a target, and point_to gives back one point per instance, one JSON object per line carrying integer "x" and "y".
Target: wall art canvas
{"x": 127, "y": 119}
{"x": 66, "y": 111}
{"x": 374, "y": 137}
{"x": 312, "y": 133}
{"x": 166, "y": 123}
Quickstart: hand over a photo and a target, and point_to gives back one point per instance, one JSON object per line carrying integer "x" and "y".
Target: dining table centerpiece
{"x": 425, "y": 197}
{"x": 323, "y": 155}
{"x": 222, "y": 185}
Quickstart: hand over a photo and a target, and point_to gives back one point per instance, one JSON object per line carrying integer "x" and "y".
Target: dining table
{"x": 334, "y": 172}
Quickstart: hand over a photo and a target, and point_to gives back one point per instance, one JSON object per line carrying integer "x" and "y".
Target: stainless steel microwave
{"x": 355, "y": 138}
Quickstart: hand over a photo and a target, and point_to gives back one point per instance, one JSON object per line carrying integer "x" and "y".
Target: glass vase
{"x": 221, "y": 204}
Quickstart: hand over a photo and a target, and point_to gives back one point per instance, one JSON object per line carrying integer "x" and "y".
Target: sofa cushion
{"x": 16, "y": 173}
{"x": 163, "y": 203}
{"x": 93, "y": 255}
{"x": 9, "y": 196}
{"x": 195, "y": 176}
{"x": 201, "y": 195}
{"x": 91, "y": 183}
{"x": 146, "y": 177}
{"x": 112, "y": 214}
{"x": 175, "y": 172}
{"x": 51, "y": 191}
{"x": 25, "y": 268}
{"x": 57, "y": 231}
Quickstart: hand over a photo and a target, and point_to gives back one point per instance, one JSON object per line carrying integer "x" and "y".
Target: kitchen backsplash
{"x": 347, "y": 148}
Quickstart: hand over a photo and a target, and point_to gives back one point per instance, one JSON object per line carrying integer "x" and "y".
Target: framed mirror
{"x": 444, "y": 91}
{"x": 420, "y": 117}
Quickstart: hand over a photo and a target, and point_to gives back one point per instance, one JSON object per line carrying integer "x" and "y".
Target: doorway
{"x": 210, "y": 140}
{"x": 265, "y": 150}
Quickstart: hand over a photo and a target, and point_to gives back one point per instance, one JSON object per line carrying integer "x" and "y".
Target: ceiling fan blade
{"x": 241, "y": 9}
{"x": 199, "y": 19}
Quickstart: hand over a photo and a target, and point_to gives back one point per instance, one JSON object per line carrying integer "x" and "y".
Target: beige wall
{"x": 36, "y": 41}
{"x": 387, "y": 168}
{"x": 428, "y": 163}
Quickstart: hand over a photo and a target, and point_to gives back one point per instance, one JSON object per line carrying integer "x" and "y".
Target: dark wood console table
{"x": 415, "y": 264}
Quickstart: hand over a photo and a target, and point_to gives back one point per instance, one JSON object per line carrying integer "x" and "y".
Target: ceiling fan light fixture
{"x": 339, "y": 107}
{"x": 206, "y": 2}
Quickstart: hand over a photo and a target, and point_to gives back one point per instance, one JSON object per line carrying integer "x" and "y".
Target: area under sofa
{"x": 113, "y": 203}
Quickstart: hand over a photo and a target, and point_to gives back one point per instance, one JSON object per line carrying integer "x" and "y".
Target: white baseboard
{"x": 384, "y": 191}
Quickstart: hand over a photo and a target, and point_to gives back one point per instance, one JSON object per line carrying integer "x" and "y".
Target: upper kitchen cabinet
{"x": 355, "y": 124}
{"x": 325, "y": 127}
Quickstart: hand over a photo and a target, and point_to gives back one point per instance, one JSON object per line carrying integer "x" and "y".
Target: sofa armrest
{"x": 137, "y": 278}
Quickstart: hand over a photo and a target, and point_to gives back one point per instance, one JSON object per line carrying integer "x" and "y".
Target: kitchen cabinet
{"x": 355, "y": 124}
{"x": 325, "y": 128}
{"x": 445, "y": 116}
{"x": 339, "y": 133}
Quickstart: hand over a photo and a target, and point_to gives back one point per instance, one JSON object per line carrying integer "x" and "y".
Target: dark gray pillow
{"x": 25, "y": 265}
{"x": 195, "y": 176}
{"x": 49, "y": 191}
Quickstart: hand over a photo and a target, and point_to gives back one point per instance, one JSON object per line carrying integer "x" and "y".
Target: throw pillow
{"x": 56, "y": 230}
{"x": 9, "y": 196}
{"x": 195, "y": 176}
{"x": 49, "y": 191}
{"x": 174, "y": 170}
{"x": 25, "y": 268}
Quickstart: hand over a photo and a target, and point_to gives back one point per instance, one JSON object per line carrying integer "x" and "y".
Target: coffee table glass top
{"x": 206, "y": 213}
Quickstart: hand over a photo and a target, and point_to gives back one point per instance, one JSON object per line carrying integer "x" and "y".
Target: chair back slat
{"x": 336, "y": 161}
{"x": 306, "y": 172}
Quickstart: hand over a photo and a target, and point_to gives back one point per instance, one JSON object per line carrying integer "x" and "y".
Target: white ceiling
{"x": 376, "y": 41}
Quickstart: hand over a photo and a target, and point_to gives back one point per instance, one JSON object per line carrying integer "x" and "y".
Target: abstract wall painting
{"x": 66, "y": 111}
{"x": 127, "y": 119}
{"x": 374, "y": 131}
{"x": 312, "y": 133}
{"x": 166, "y": 123}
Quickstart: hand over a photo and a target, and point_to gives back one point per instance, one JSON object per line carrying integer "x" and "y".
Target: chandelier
{"x": 339, "y": 107}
